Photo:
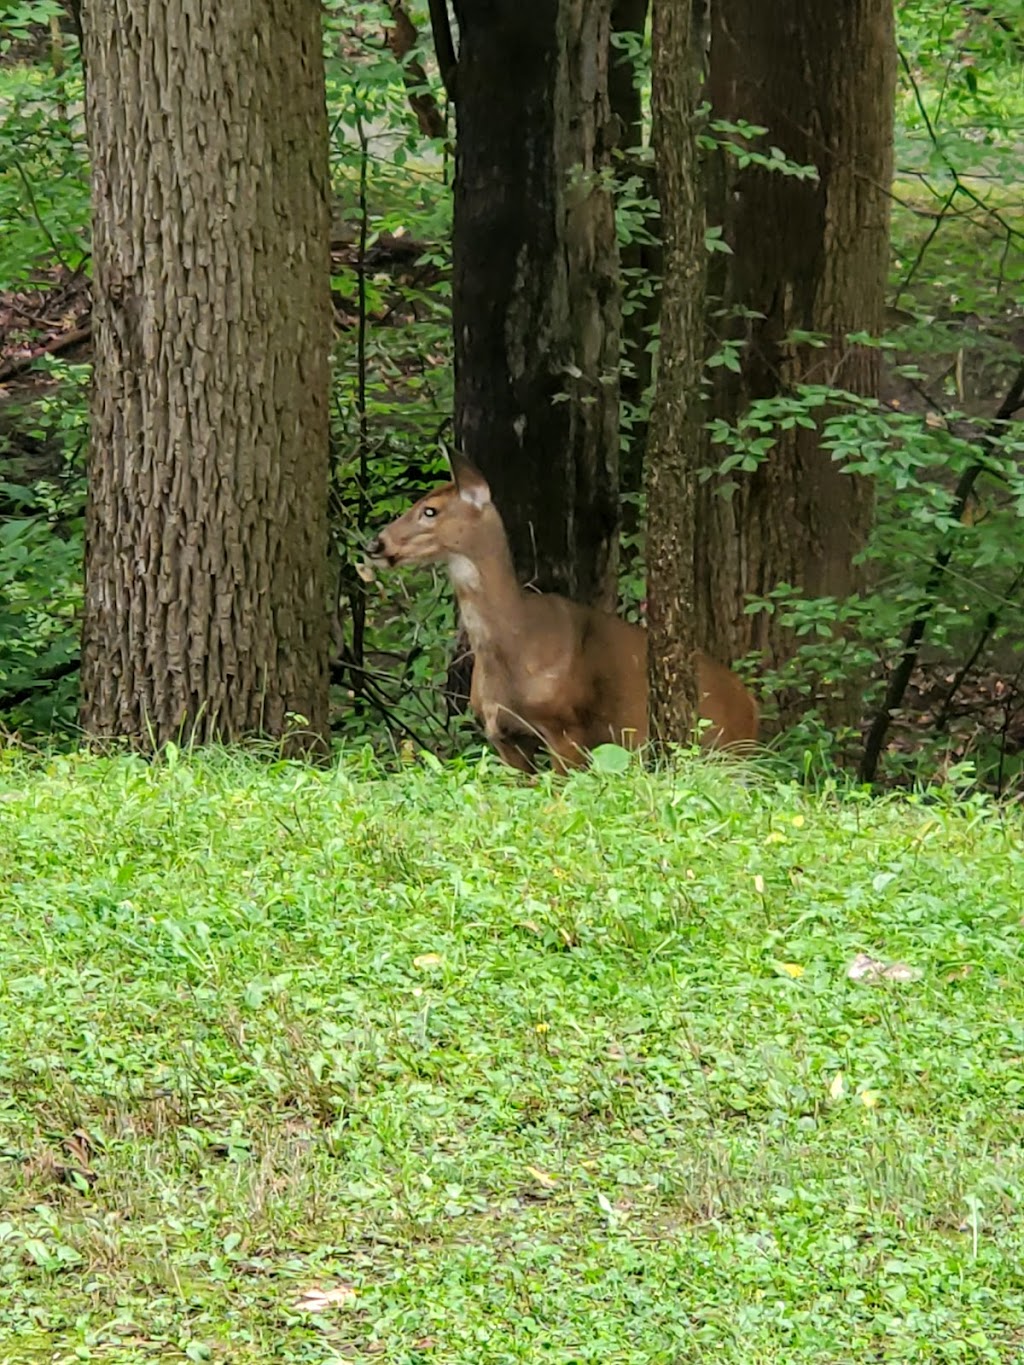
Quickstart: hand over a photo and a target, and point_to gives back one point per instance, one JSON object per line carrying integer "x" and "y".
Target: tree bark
{"x": 676, "y": 412}
{"x": 535, "y": 293}
{"x": 807, "y": 256}
{"x": 206, "y": 540}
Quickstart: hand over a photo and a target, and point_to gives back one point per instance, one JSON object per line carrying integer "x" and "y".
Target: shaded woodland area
{"x": 840, "y": 520}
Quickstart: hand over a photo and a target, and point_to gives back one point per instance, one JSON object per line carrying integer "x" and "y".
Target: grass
{"x": 505, "y": 1073}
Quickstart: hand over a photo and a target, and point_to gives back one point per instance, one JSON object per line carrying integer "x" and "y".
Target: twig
{"x": 30, "y": 195}
{"x": 368, "y": 692}
{"x": 897, "y": 687}
{"x": 958, "y": 183}
{"x": 940, "y": 218}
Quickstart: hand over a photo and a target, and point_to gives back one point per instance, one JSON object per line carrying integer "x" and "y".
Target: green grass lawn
{"x": 566, "y": 1072}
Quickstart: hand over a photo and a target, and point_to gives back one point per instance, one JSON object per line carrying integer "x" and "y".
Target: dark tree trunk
{"x": 206, "y": 543}
{"x": 535, "y": 289}
{"x": 808, "y": 256}
{"x": 676, "y": 413}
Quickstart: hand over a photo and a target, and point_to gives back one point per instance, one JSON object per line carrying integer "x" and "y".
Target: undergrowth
{"x": 306, "y": 1065}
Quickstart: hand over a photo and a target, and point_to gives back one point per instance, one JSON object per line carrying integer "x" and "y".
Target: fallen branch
{"x": 64, "y": 342}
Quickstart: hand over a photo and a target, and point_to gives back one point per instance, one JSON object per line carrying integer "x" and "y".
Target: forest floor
{"x": 318, "y": 1066}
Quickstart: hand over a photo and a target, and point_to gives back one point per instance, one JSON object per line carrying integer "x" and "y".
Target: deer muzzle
{"x": 377, "y": 552}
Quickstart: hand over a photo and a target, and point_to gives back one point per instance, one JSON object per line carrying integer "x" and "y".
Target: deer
{"x": 548, "y": 673}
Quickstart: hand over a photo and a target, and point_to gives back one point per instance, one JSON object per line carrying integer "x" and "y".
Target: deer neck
{"x": 489, "y": 597}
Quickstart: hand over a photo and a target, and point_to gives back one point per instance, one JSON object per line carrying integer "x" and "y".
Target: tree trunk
{"x": 535, "y": 294}
{"x": 676, "y": 413}
{"x": 206, "y": 541}
{"x": 808, "y": 256}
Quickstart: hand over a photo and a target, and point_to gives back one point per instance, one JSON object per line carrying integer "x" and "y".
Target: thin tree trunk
{"x": 808, "y": 257}
{"x": 206, "y": 543}
{"x": 535, "y": 288}
{"x": 675, "y": 418}
{"x": 641, "y": 261}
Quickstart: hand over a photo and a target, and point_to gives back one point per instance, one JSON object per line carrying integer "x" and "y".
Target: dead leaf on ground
{"x": 867, "y": 968}
{"x": 542, "y": 1178}
{"x": 318, "y": 1300}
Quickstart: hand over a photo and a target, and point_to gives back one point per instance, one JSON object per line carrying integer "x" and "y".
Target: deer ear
{"x": 472, "y": 485}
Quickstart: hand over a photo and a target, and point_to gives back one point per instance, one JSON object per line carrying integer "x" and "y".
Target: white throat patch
{"x": 464, "y": 573}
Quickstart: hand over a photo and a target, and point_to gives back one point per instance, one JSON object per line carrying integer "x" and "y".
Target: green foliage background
{"x": 957, "y": 282}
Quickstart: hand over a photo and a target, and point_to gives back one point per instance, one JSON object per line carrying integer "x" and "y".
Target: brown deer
{"x": 547, "y": 672}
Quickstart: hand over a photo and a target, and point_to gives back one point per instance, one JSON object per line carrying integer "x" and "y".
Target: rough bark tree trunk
{"x": 809, "y": 257}
{"x": 535, "y": 294}
{"x": 206, "y": 542}
{"x": 676, "y": 412}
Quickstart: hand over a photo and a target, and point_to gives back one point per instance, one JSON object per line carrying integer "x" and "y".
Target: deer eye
{"x": 430, "y": 511}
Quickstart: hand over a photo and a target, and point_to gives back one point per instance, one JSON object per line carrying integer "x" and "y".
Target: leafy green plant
{"x": 918, "y": 466}
{"x": 42, "y": 499}
{"x": 44, "y": 182}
